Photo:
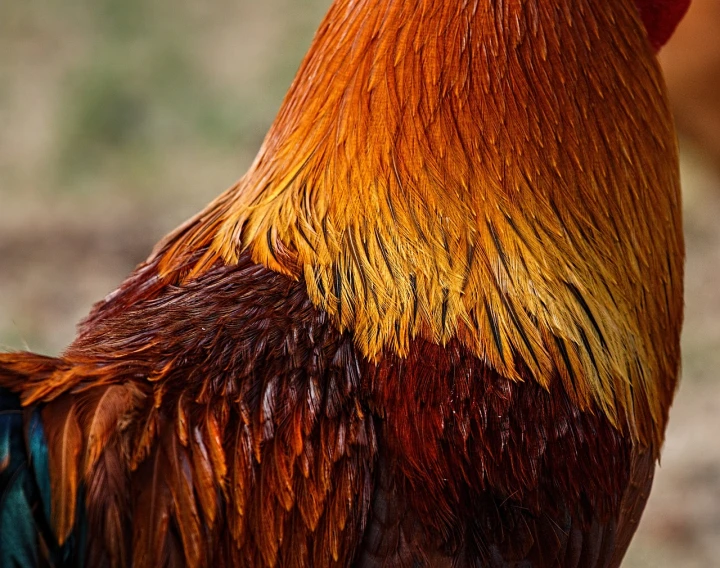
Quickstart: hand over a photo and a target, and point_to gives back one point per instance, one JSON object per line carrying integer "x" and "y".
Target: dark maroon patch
{"x": 661, "y": 17}
{"x": 491, "y": 469}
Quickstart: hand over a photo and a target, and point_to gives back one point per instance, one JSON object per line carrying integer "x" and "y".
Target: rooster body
{"x": 436, "y": 323}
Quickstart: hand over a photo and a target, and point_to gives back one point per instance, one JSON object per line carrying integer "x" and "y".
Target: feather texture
{"x": 65, "y": 445}
{"x": 504, "y": 173}
{"x": 436, "y": 324}
{"x": 221, "y": 445}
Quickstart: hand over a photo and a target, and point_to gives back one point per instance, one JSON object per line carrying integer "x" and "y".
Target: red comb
{"x": 661, "y": 17}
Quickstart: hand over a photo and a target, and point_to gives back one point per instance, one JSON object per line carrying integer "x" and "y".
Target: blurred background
{"x": 121, "y": 118}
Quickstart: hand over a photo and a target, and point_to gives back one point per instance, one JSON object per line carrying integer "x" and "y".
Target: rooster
{"x": 435, "y": 324}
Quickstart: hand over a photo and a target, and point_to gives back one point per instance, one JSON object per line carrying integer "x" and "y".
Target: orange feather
{"x": 65, "y": 446}
{"x": 436, "y": 323}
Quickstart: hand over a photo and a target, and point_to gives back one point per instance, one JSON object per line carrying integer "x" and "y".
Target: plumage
{"x": 65, "y": 444}
{"x": 435, "y": 324}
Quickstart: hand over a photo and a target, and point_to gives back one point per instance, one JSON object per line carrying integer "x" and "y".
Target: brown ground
{"x": 119, "y": 118}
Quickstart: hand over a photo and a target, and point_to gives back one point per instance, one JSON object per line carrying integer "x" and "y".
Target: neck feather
{"x": 500, "y": 172}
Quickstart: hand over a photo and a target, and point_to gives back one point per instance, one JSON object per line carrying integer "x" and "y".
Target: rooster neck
{"x": 501, "y": 173}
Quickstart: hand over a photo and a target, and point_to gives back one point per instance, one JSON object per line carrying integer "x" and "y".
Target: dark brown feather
{"x": 255, "y": 443}
{"x": 186, "y": 517}
{"x": 65, "y": 446}
{"x": 152, "y": 511}
{"x": 204, "y": 480}
{"x": 108, "y": 506}
{"x": 101, "y": 411}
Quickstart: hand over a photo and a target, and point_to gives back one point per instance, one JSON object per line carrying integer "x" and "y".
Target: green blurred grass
{"x": 132, "y": 83}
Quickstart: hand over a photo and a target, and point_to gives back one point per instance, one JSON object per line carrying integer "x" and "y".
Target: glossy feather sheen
{"x": 503, "y": 173}
{"x": 26, "y": 534}
{"x": 273, "y": 463}
{"x": 436, "y": 324}
{"x": 326, "y": 458}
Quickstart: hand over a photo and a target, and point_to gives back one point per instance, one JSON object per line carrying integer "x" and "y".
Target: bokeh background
{"x": 120, "y": 118}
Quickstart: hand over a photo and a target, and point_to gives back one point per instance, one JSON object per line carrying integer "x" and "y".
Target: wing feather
{"x": 181, "y": 483}
{"x": 152, "y": 510}
{"x": 65, "y": 445}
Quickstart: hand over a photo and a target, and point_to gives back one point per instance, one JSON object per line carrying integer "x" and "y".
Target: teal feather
{"x": 18, "y": 532}
{"x": 25, "y": 528}
{"x": 18, "y": 537}
{"x": 39, "y": 459}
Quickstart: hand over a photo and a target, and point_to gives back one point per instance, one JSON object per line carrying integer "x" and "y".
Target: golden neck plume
{"x": 497, "y": 172}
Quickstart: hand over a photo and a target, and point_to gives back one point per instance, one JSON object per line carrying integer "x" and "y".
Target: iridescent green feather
{"x": 26, "y": 537}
